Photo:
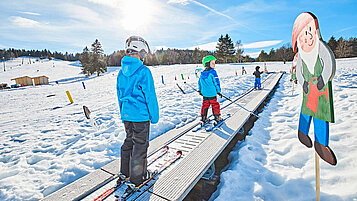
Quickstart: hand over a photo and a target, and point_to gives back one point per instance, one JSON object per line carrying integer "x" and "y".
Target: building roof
{"x": 39, "y": 77}
{"x": 20, "y": 77}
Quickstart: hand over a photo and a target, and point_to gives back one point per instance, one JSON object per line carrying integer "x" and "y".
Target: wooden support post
{"x": 317, "y": 170}
{"x": 69, "y": 97}
{"x": 292, "y": 93}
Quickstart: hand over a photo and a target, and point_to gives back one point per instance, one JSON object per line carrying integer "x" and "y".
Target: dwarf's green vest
{"x": 325, "y": 110}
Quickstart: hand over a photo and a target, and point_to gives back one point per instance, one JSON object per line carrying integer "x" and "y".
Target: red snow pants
{"x": 207, "y": 101}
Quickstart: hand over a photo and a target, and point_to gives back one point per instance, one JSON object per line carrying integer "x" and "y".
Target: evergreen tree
{"x": 263, "y": 56}
{"x": 225, "y": 49}
{"x": 97, "y": 47}
{"x": 98, "y": 61}
{"x": 220, "y": 49}
{"x": 86, "y": 61}
{"x": 332, "y": 43}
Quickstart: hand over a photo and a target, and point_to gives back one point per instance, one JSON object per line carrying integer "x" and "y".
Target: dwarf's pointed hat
{"x": 301, "y": 21}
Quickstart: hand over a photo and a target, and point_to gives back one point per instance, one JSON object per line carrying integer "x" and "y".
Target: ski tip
{"x": 166, "y": 147}
{"x": 179, "y": 152}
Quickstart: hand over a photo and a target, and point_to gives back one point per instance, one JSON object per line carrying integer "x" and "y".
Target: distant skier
{"x": 243, "y": 70}
{"x": 209, "y": 86}
{"x": 138, "y": 107}
{"x": 257, "y": 83}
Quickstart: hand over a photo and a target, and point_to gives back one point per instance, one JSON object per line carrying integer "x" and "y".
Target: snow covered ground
{"x": 46, "y": 142}
{"x": 273, "y": 165}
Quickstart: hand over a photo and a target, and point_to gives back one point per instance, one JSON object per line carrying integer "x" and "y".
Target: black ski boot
{"x": 204, "y": 119}
{"x": 121, "y": 179}
{"x": 217, "y": 118}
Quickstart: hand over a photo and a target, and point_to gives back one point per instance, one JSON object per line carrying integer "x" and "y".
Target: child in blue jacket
{"x": 138, "y": 107}
{"x": 209, "y": 87}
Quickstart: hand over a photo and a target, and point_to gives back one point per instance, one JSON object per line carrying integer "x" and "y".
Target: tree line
{"x": 15, "y": 53}
{"x": 95, "y": 61}
{"x": 342, "y": 48}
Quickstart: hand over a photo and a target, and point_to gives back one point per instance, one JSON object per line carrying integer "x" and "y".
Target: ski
{"x": 217, "y": 125}
{"x": 158, "y": 154}
{"x": 131, "y": 189}
{"x": 202, "y": 125}
{"x": 122, "y": 180}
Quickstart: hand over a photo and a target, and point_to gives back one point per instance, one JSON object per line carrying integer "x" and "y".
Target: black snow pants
{"x": 134, "y": 151}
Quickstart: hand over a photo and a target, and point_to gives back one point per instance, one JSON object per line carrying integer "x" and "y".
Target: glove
{"x": 320, "y": 83}
{"x": 295, "y": 81}
{"x": 305, "y": 87}
{"x": 199, "y": 92}
{"x": 219, "y": 94}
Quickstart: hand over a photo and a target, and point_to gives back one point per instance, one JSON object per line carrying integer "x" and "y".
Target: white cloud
{"x": 186, "y": 2}
{"x": 183, "y": 2}
{"x": 81, "y": 13}
{"x": 257, "y": 6}
{"x": 261, "y": 44}
{"x": 253, "y": 54}
{"x": 208, "y": 46}
{"x": 110, "y": 3}
{"x": 23, "y": 22}
{"x": 29, "y": 13}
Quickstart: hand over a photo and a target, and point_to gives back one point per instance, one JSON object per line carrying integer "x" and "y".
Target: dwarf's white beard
{"x": 309, "y": 57}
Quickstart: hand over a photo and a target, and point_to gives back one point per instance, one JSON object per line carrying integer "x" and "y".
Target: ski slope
{"x": 46, "y": 142}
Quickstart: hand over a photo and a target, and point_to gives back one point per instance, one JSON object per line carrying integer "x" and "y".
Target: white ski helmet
{"x": 137, "y": 45}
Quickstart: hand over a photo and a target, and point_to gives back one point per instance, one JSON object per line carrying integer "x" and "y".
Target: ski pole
{"x": 239, "y": 105}
{"x": 180, "y": 89}
{"x": 190, "y": 86}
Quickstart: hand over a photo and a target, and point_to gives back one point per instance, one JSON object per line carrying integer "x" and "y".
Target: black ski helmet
{"x": 257, "y": 68}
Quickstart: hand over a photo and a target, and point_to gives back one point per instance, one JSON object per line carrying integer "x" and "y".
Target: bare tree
{"x": 343, "y": 49}
{"x": 239, "y": 51}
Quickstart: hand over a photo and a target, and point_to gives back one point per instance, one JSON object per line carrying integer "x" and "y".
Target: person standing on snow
{"x": 243, "y": 71}
{"x": 257, "y": 83}
{"x": 138, "y": 108}
{"x": 209, "y": 86}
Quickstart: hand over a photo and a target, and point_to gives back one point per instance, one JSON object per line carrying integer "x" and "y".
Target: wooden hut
{"x": 23, "y": 81}
{"x": 40, "y": 80}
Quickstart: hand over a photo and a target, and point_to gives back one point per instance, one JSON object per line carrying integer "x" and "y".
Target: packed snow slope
{"x": 273, "y": 165}
{"x": 47, "y": 143}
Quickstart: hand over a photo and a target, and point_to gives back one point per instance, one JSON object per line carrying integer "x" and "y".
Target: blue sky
{"x": 65, "y": 25}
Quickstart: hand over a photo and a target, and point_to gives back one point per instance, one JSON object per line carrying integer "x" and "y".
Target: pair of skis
{"x": 209, "y": 128}
{"x": 122, "y": 180}
{"x": 217, "y": 125}
{"x": 132, "y": 189}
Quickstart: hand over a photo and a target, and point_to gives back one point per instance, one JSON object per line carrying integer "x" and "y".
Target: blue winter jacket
{"x": 209, "y": 84}
{"x": 136, "y": 92}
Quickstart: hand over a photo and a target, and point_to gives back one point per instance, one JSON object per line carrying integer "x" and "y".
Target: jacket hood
{"x": 129, "y": 65}
{"x": 206, "y": 72}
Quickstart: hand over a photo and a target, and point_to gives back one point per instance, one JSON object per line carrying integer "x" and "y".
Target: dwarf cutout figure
{"x": 315, "y": 68}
